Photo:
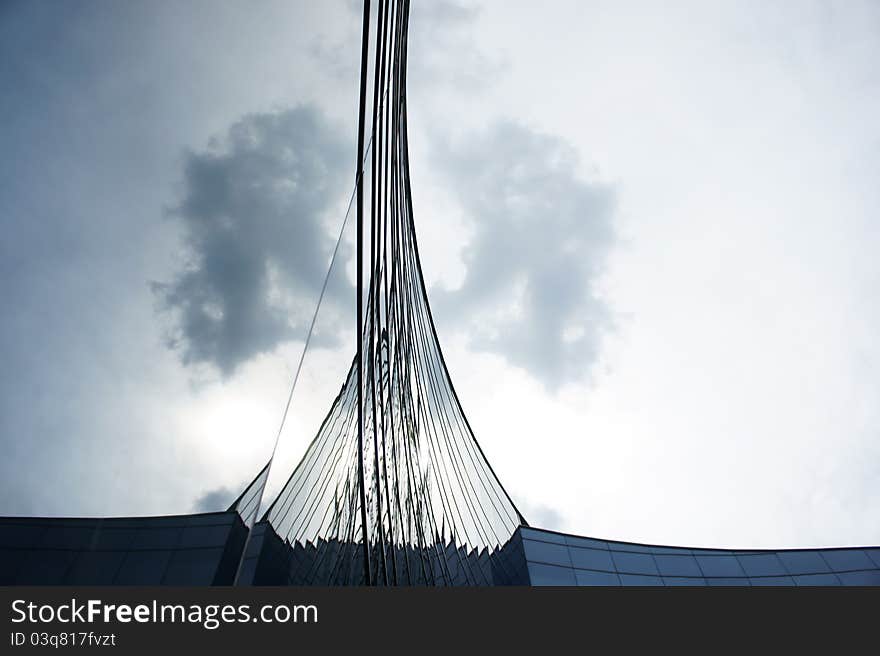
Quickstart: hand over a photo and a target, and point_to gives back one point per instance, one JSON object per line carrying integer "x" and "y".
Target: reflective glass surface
{"x": 588, "y": 577}
{"x": 634, "y": 563}
{"x": 803, "y": 562}
{"x": 677, "y": 565}
{"x": 845, "y": 560}
{"x": 681, "y": 581}
{"x": 762, "y": 565}
{"x": 636, "y": 579}
{"x": 547, "y": 552}
{"x": 176, "y": 550}
{"x": 817, "y": 579}
{"x": 591, "y": 559}
{"x": 869, "y": 577}
{"x": 204, "y": 550}
{"x": 541, "y": 574}
{"x": 720, "y": 566}
{"x": 772, "y": 580}
{"x": 638, "y": 564}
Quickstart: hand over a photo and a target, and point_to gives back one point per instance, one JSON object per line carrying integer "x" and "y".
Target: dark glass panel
{"x": 192, "y": 567}
{"x": 591, "y": 559}
{"x": 20, "y": 535}
{"x": 157, "y": 538}
{"x": 629, "y": 548}
{"x": 720, "y": 566}
{"x": 634, "y": 563}
{"x": 114, "y": 538}
{"x": 681, "y": 581}
{"x": 45, "y": 567}
{"x": 543, "y": 536}
{"x": 68, "y": 537}
{"x": 212, "y": 519}
{"x": 142, "y": 568}
{"x": 95, "y": 568}
{"x": 677, "y": 565}
{"x": 762, "y": 565}
{"x": 868, "y": 577}
{"x": 574, "y": 541}
{"x": 817, "y": 579}
{"x": 842, "y": 560}
{"x": 147, "y": 522}
{"x": 204, "y": 536}
{"x": 636, "y": 579}
{"x": 587, "y": 578}
{"x": 10, "y": 561}
{"x": 541, "y": 574}
{"x": 545, "y": 552}
{"x": 803, "y": 562}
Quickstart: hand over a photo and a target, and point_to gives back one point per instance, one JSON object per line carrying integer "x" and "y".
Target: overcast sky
{"x": 650, "y": 237}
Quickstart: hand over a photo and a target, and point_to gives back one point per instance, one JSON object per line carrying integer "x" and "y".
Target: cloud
{"x": 541, "y": 515}
{"x": 540, "y": 240}
{"x": 444, "y": 52}
{"x": 444, "y": 48}
{"x": 215, "y": 500}
{"x": 253, "y": 211}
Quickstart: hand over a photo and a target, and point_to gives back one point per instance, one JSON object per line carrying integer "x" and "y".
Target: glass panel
{"x": 842, "y": 560}
{"x": 586, "y": 577}
{"x": 634, "y": 563}
{"x": 678, "y": 581}
{"x": 551, "y": 575}
{"x": 544, "y": 536}
{"x": 677, "y": 565}
{"x": 170, "y": 521}
{"x": 574, "y": 541}
{"x": 45, "y": 567}
{"x": 762, "y": 565}
{"x": 20, "y": 536}
{"x": 720, "y": 566}
{"x": 204, "y": 536}
{"x": 874, "y": 555}
{"x": 803, "y": 562}
{"x": 68, "y": 537}
{"x": 635, "y": 579}
{"x": 211, "y": 519}
{"x": 114, "y": 538}
{"x": 631, "y": 548}
{"x": 591, "y": 559}
{"x": 10, "y": 561}
{"x": 870, "y": 577}
{"x": 193, "y": 567}
{"x": 817, "y": 579}
{"x": 95, "y": 568}
{"x": 142, "y": 568}
{"x": 544, "y": 552}
{"x": 157, "y": 538}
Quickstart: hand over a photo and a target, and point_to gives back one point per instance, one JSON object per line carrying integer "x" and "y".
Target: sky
{"x": 649, "y": 237}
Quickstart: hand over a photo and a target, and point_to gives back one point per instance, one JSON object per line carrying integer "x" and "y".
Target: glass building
{"x": 205, "y": 549}
{"x": 394, "y": 489}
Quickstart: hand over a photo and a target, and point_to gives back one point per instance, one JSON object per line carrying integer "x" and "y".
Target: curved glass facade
{"x": 569, "y": 560}
{"x": 172, "y": 550}
{"x": 206, "y": 549}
